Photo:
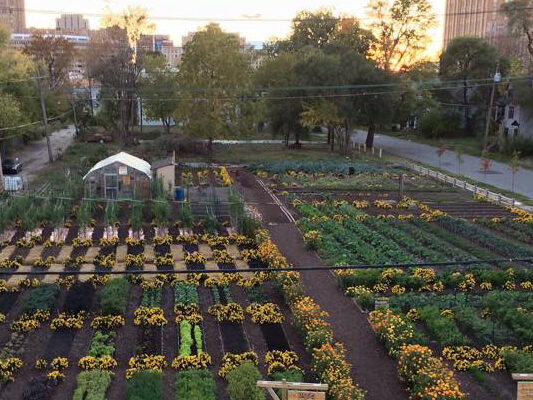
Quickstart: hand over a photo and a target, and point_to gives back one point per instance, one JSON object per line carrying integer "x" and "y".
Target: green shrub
{"x": 145, "y": 385}
{"x": 289, "y": 376}
{"x": 242, "y": 383}
{"x": 102, "y": 344}
{"x": 438, "y": 124}
{"x": 92, "y": 385}
{"x": 518, "y": 362}
{"x": 42, "y": 297}
{"x": 443, "y": 329}
{"x": 195, "y": 385}
{"x": 115, "y": 296}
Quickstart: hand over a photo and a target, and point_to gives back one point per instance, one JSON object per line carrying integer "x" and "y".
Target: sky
{"x": 166, "y": 14}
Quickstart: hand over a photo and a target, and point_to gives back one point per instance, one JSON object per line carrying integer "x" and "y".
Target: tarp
{"x": 126, "y": 159}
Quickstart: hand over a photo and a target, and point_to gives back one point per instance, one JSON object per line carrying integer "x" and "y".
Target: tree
{"x": 119, "y": 69}
{"x": 214, "y": 79}
{"x": 468, "y": 58}
{"x": 313, "y": 28}
{"x": 350, "y": 35}
{"x": 159, "y": 84}
{"x": 56, "y": 54}
{"x": 401, "y": 30}
{"x": 10, "y": 115}
{"x": 282, "y": 111}
{"x": 520, "y": 20}
{"x": 135, "y": 21}
{"x": 15, "y": 68}
{"x": 119, "y": 78}
{"x": 322, "y": 112}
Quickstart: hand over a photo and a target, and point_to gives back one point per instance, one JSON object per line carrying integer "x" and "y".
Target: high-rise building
{"x": 484, "y": 19}
{"x": 12, "y": 15}
{"x": 479, "y": 18}
{"x": 72, "y": 23}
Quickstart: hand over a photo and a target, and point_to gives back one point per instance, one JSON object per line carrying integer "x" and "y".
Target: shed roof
{"x": 164, "y": 162}
{"x": 126, "y": 159}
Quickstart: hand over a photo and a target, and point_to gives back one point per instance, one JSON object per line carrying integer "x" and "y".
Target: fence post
{"x": 373, "y": 150}
{"x": 380, "y": 153}
{"x": 364, "y": 147}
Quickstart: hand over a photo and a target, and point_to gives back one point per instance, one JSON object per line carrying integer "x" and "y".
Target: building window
{"x": 510, "y": 113}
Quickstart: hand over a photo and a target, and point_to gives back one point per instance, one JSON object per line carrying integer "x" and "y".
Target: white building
{"x": 81, "y": 43}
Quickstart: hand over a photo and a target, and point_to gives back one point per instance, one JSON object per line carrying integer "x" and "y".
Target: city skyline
{"x": 274, "y": 16}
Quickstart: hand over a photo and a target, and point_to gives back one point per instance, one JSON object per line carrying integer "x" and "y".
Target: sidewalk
{"x": 500, "y": 174}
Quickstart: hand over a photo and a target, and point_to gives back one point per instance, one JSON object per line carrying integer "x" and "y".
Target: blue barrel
{"x": 179, "y": 194}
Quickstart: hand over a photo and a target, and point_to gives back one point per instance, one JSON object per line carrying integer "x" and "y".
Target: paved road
{"x": 500, "y": 174}
{"x": 34, "y": 156}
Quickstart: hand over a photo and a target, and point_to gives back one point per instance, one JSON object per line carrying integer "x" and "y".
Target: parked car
{"x": 11, "y": 166}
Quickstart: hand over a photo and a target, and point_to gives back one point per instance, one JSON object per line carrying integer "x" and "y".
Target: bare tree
{"x": 401, "y": 30}
{"x": 56, "y": 54}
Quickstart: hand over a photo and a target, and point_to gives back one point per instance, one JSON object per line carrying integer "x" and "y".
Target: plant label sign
{"x": 382, "y": 303}
{"x": 525, "y": 386}
{"x": 525, "y": 390}
{"x": 304, "y": 395}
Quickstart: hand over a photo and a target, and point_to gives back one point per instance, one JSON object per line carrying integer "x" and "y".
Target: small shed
{"x": 165, "y": 169}
{"x": 121, "y": 176}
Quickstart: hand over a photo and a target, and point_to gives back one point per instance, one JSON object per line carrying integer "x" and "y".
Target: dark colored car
{"x": 11, "y": 166}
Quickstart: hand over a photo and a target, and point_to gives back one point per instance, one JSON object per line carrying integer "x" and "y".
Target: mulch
{"x": 372, "y": 369}
{"x": 125, "y": 346}
{"x": 170, "y": 342}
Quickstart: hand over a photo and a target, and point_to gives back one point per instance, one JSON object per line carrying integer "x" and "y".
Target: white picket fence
{"x": 476, "y": 190}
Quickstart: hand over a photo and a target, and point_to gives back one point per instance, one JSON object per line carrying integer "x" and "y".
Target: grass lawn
{"x": 80, "y": 157}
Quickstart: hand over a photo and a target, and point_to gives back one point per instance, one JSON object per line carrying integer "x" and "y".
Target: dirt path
{"x": 372, "y": 368}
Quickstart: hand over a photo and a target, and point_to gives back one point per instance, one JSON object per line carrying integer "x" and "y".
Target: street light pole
{"x": 496, "y": 80}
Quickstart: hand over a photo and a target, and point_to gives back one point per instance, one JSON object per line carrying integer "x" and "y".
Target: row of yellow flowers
{"x": 231, "y": 312}
{"x": 427, "y": 377}
{"x": 55, "y": 368}
{"x": 226, "y": 178}
{"x": 68, "y": 321}
{"x": 488, "y": 358}
{"x": 28, "y": 322}
{"x": 329, "y": 360}
{"x": 280, "y": 361}
{"x": 150, "y": 316}
{"x": 266, "y": 313}
{"x": 145, "y": 362}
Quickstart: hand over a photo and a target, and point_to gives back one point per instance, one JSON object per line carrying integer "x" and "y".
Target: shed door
{"x": 111, "y": 186}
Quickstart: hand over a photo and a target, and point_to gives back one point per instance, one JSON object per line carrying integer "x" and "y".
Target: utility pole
{"x": 91, "y": 96}
{"x": 496, "y": 80}
{"x": 45, "y": 118}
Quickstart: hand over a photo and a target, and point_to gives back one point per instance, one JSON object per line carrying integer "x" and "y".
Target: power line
{"x": 418, "y": 84}
{"x": 26, "y": 125}
{"x": 245, "y": 98}
{"x": 488, "y": 82}
{"x": 312, "y": 268}
{"x": 258, "y": 19}
{"x": 33, "y": 78}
